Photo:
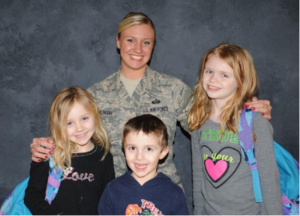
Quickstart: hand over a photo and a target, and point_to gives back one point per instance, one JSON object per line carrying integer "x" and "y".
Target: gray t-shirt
{"x": 222, "y": 181}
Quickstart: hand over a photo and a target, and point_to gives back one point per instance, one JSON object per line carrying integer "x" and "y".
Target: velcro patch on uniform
{"x": 156, "y": 109}
{"x": 156, "y": 101}
{"x": 106, "y": 112}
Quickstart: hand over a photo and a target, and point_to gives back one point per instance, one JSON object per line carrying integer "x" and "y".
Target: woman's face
{"x": 136, "y": 44}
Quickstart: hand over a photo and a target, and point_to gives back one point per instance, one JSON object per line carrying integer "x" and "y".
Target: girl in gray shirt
{"x": 222, "y": 181}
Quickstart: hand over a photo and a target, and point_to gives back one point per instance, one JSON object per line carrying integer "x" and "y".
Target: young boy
{"x": 142, "y": 190}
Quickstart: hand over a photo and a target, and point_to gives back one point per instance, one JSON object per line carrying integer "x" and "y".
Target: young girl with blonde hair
{"x": 81, "y": 157}
{"x": 222, "y": 181}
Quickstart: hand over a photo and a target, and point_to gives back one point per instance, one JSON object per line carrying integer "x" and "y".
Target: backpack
{"x": 14, "y": 203}
{"x": 288, "y": 167}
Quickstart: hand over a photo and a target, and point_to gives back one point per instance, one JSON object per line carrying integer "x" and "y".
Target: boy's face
{"x": 143, "y": 153}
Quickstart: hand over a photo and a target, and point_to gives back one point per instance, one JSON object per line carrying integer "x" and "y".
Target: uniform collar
{"x": 149, "y": 83}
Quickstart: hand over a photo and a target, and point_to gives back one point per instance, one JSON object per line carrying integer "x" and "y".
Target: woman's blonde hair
{"x": 61, "y": 105}
{"x": 246, "y": 78}
{"x": 132, "y": 19}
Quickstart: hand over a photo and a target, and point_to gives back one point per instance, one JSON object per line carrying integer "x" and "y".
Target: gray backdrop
{"x": 48, "y": 45}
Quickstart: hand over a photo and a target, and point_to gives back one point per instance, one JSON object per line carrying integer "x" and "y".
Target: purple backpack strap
{"x": 54, "y": 179}
{"x": 247, "y": 149}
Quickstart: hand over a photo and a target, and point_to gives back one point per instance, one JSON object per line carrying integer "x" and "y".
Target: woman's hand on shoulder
{"x": 41, "y": 148}
{"x": 262, "y": 106}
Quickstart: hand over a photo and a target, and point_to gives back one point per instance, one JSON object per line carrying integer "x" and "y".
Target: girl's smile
{"x": 213, "y": 88}
{"x": 81, "y": 136}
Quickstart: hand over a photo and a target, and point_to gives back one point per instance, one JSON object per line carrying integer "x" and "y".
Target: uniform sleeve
{"x": 36, "y": 190}
{"x": 109, "y": 173}
{"x": 105, "y": 206}
{"x": 180, "y": 206}
{"x": 267, "y": 167}
{"x": 197, "y": 173}
{"x": 183, "y": 102}
{"x": 92, "y": 90}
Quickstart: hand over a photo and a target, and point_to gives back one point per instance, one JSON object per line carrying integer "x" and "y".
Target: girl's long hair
{"x": 246, "y": 78}
{"x": 61, "y": 105}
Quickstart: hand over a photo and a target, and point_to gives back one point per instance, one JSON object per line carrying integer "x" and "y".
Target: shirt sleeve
{"x": 92, "y": 90}
{"x": 197, "y": 173}
{"x": 183, "y": 102}
{"x": 180, "y": 206}
{"x": 267, "y": 167}
{"x": 36, "y": 190}
{"x": 109, "y": 173}
{"x": 105, "y": 206}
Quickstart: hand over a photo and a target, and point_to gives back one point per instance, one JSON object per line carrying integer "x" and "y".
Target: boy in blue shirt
{"x": 142, "y": 190}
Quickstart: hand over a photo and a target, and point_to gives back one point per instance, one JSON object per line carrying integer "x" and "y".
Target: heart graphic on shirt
{"x": 216, "y": 170}
{"x": 220, "y": 166}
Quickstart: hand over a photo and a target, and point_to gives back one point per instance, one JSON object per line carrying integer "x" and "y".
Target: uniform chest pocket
{"x": 108, "y": 119}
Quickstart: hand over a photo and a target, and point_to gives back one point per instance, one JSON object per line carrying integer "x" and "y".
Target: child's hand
{"x": 41, "y": 148}
{"x": 262, "y": 106}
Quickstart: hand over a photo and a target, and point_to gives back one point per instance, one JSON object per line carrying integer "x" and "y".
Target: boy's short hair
{"x": 148, "y": 124}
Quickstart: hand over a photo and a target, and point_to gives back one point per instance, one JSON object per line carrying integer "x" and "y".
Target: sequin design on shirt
{"x": 75, "y": 176}
{"x": 219, "y": 163}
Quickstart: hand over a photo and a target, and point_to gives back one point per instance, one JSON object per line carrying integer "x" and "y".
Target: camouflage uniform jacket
{"x": 158, "y": 94}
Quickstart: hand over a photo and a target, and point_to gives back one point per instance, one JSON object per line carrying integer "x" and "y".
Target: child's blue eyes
{"x": 134, "y": 148}
{"x": 149, "y": 149}
{"x": 85, "y": 118}
{"x": 210, "y": 72}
